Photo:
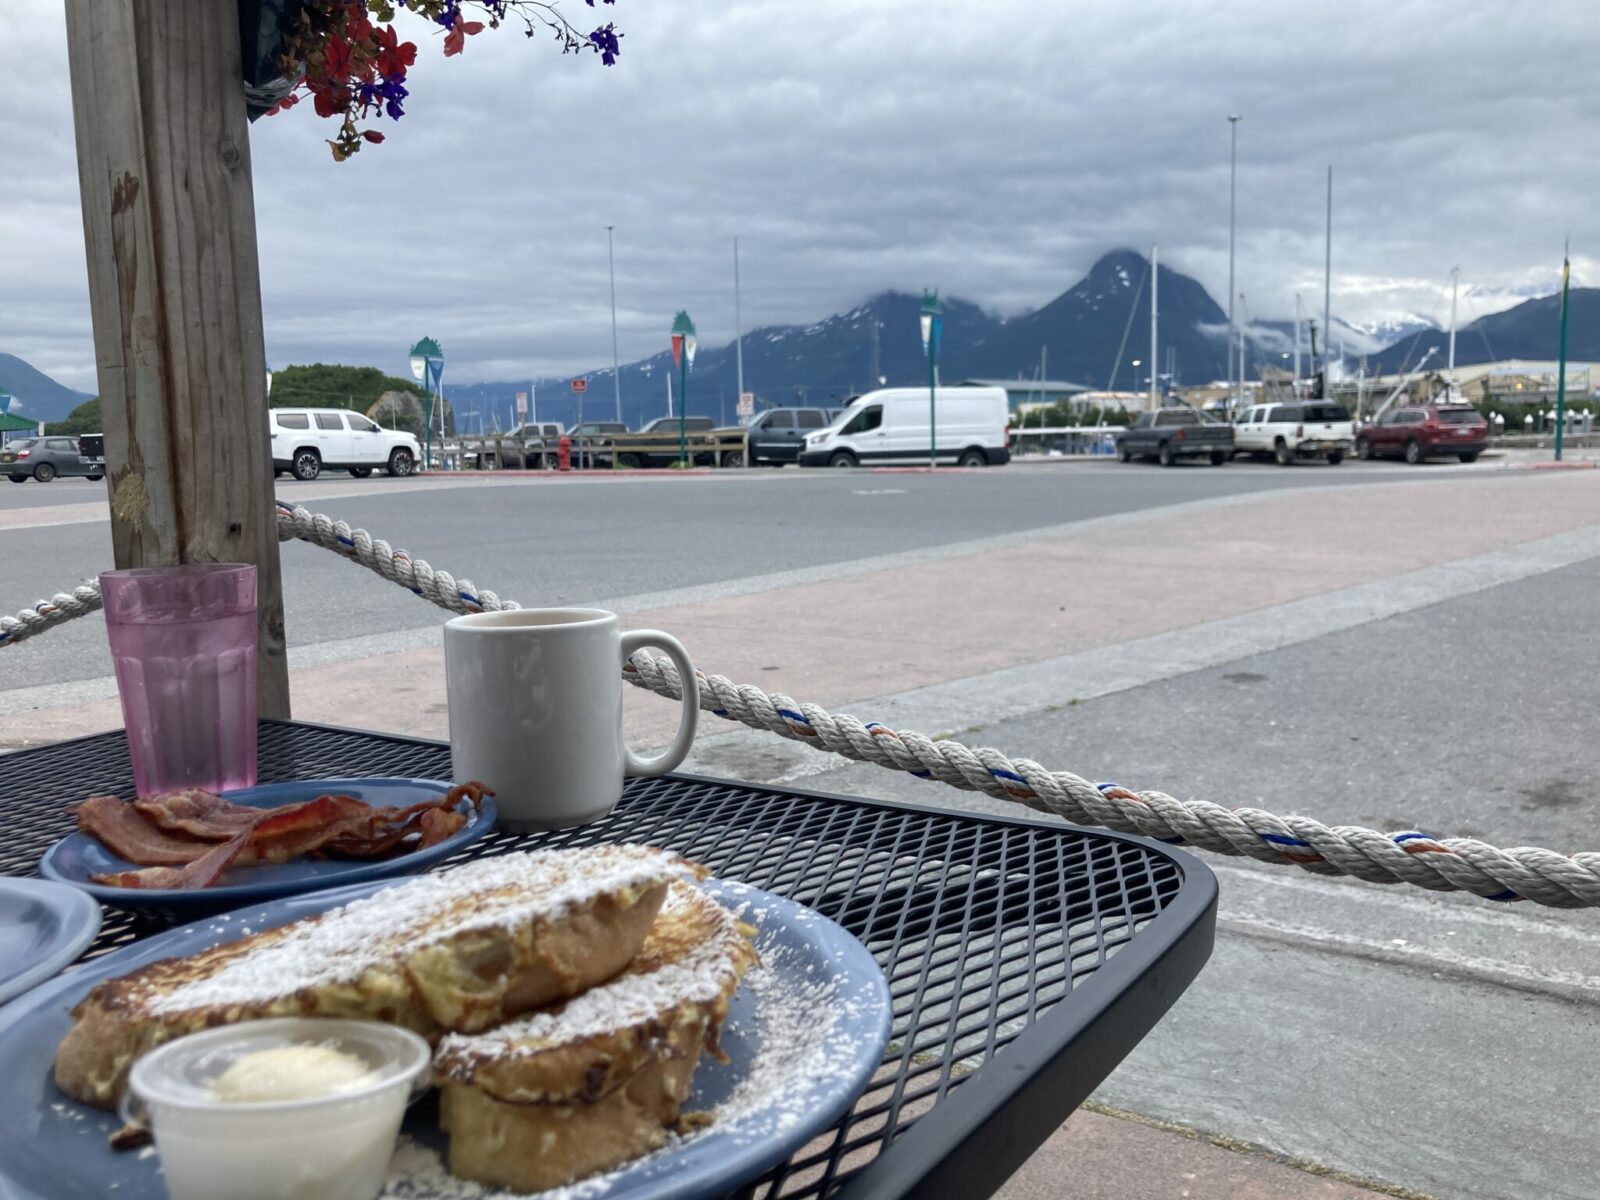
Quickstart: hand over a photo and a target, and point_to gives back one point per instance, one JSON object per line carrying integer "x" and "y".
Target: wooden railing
{"x": 621, "y": 451}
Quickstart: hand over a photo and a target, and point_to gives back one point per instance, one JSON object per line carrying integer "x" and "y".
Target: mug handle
{"x": 674, "y": 754}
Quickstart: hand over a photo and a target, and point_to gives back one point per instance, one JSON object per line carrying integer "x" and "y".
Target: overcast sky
{"x": 991, "y": 147}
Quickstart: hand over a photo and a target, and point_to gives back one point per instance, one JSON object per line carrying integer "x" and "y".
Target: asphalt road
{"x": 543, "y": 541}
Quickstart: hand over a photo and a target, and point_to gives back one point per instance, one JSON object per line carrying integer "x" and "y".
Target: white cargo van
{"x": 890, "y": 427}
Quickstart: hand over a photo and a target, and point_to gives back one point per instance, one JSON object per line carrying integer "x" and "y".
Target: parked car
{"x": 1169, "y": 434}
{"x": 527, "y": 447}
{"x": 1426, "y": 431}
{"x": 777, "y": 435}
{"x": 306, "y": 440}
{"x": 44, "y": 458}
{"x": 92, "y": 449}
{"x": 972, "y": 428}
{"x": 591, "y": 442}
{"x": 1309, "y": 429}
{"x": 656, "y": 445}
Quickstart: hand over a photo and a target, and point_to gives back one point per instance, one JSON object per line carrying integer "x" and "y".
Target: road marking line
{"x": 1571, "y": 985}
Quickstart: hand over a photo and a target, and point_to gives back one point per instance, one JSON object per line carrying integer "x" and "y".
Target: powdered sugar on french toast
{"x": 702, "y": 975}
{"x": 504, "y": 891}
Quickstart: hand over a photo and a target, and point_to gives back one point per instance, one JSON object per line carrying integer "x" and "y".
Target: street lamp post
{"x": 1233, "y": 158}
{"x": 427, "y": 366}
{"x": 683, "y": 345}
{"x": 616, "y": 368}
{"x": 932, "y": 319}
{"x": 1137, "y": 363}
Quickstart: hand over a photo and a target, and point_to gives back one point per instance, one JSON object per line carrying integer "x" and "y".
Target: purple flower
{"x": 394, "y": 91}
{"x": 604, "y": 40}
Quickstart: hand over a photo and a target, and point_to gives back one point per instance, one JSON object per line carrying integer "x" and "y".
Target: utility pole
{"x": 616, "y": 369}
{"x": 738, "y": 327}
{"x": 1233, "y": 163}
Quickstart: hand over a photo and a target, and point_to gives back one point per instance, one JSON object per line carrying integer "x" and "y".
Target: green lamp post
{"x": 683, "y": 346}
{"x": 427, "y": 366}
{"x": 932, "y": 320}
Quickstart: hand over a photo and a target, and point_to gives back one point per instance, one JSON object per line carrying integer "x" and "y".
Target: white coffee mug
{"x": 536, "y": 711}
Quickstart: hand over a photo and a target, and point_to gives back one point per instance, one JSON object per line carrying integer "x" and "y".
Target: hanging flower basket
{"x": 262, "y": 28}
{"x": 348, "y": 58}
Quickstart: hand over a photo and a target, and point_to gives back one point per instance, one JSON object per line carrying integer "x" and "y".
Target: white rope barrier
{"x": 1408, "y": 856}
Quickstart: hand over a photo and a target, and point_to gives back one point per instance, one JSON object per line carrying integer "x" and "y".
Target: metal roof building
{"x": 1022, "y": 393}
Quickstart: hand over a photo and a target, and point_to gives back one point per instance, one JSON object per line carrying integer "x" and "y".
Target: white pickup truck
{"x": 1290, "y": 431}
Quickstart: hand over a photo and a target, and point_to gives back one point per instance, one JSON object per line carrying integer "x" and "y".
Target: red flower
{"x": 372, "y": 135}
{"x": 329, "y": 102}
{"x": 336, "y": 58}
{"x": 456, "y": 38}
{"x": 394, "y": 56}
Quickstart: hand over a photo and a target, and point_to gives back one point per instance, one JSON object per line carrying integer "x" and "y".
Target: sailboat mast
{"x": 1044, "y": 399}
{"x": 1327, "y": 290}
{"x": 738, "y": 324}
{"x": 1297, "y": 345}
{"x": 1455, "y": 279}
{"x": 1155, "y": 361}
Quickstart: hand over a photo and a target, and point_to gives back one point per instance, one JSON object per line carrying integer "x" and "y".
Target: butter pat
{"x": 297, "y": 1072}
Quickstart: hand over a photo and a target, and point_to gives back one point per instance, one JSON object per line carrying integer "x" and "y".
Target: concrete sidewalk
{"x": 1099, "y": 1156}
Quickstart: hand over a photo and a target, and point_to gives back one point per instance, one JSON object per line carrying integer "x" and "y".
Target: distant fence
{"x": 1066, "y": 439}
{"x": 622, "y": 451}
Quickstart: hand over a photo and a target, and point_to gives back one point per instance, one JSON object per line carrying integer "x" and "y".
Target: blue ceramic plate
{"x": 43, "y": 927}
{"x": 78, "y": 856}
{"x": 803, "y": 1035}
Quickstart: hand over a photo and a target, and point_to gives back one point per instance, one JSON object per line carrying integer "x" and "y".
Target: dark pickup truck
{"x": 1173, "y": 433}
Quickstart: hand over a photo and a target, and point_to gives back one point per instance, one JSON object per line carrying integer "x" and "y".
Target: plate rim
{"x": 740, "y": 1162}
{"x": 73, "y": 903}
{"x": 239, "y": 895}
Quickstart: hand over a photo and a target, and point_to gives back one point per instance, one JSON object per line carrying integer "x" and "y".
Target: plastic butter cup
{"x": 332, "y": 1146}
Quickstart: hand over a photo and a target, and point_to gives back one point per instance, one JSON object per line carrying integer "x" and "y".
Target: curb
{"x": 1577, "y": 465}
{"x": 589, "y": 473}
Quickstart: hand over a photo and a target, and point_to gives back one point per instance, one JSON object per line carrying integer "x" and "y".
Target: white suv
{"x": 1304, "y": 429}
{"x": 305, "y": 440}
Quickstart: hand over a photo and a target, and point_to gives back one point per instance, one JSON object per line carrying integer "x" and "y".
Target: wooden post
{"x": 175, "y": 293}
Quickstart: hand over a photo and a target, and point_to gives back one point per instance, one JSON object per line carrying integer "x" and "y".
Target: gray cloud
{"x": 994, "y": 149}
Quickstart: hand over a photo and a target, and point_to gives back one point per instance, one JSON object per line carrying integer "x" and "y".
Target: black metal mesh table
{"x": 1025, "y": 958}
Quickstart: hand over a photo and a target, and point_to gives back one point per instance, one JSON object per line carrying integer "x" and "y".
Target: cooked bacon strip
{"x": 374, "y": 842}
{"x": 438, "y": 824}
{"x": 198, "y": 813}
{"x": 124, "y": 831}
{"x": 329, "y": 824}
{"x": 393, "y": 828}
{"x": 298, "y": 829}
{"x": 201, "y": 873}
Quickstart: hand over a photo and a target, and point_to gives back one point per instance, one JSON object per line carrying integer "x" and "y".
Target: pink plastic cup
{"x": 183, "y": 641}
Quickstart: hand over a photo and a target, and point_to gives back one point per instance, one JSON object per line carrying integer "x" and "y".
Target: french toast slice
{"x": 588, "y": 1084}
{"x": 459, "y": 950}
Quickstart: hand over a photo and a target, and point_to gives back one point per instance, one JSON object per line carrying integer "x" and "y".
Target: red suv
{"x": 1425, "y": 431}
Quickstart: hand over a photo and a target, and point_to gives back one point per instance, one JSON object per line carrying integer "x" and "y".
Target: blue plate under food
{"x": 78, "y": 856}
{"x": 43, "y": 927}
{"x": 804, "y": 1033}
